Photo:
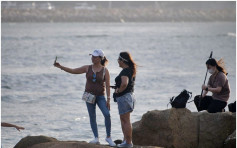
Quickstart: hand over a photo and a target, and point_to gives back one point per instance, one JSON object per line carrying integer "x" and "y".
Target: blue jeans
{"x": 100, "y": 101}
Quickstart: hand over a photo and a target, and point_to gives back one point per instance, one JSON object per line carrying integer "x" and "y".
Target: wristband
{"x": 206, "y": 89}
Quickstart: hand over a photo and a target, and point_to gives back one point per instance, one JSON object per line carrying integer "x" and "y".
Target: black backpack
{"x": 181, "y": 100}
{"x": 232, "y": 107}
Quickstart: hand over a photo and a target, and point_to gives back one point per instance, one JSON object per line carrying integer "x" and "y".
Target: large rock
{"x": 32, "y": 140}
{"x": 76, "y": 144}
{"x": 68, "y": 144}
{"x": 215, "y": 128}
{"x": 230, "y": 142}
{"x": 179, "y": 128}
{"x": 169, "y": 128}
{"x": 49, "y": 142}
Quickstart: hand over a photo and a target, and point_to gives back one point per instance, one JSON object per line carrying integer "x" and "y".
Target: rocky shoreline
{"x": 171, "y": 128}
{"x": 181, "y": 128}
{"x": 50, "y": 142}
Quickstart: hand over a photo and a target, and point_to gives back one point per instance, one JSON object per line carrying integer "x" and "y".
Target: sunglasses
{"x": 94, "y": 77}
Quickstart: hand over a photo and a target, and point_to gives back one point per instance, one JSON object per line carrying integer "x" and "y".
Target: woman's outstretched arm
{"x": 4, "y": 124}
{"x": 79, "y": 70}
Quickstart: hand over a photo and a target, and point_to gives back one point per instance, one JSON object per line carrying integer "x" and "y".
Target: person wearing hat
{"x": 97, "y": 81}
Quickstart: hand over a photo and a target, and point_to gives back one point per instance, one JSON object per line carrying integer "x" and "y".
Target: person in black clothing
{"x": 124, "y": 96}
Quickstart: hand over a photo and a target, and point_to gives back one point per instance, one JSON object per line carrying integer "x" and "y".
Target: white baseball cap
{"x": 98, "y": 52}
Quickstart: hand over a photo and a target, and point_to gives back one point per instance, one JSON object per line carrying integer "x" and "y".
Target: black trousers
{"x": 209, "y": 104}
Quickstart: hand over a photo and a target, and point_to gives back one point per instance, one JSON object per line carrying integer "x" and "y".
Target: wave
{"x": 91, "y": 36}
{"x": 6, "y": 87}
{"x": 7, "y": 99}
{"x": 231, "y": 34}
{"x": 205, "y": 36}
{"x": 21, "y": 38}
{"x": 57, "y": 37}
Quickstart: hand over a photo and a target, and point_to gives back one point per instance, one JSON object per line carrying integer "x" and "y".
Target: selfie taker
{"x": 97, "y": 80}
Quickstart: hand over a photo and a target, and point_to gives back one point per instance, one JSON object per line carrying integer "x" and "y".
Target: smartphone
{"x": 55, "y": 59}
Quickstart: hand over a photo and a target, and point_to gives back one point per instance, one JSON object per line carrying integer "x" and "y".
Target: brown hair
{"x": 220, "y": 65}
{"x": 127, "y": 59}
{"x": 104, "y": 61}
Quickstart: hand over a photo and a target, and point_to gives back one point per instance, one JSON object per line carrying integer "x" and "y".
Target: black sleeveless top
{"x": 130, "y": 87}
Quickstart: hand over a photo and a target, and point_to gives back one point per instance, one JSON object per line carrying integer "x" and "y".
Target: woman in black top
{"x": 124, "y": 95}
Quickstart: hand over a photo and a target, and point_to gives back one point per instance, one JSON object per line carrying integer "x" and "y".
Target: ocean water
{"x": 47, "y": 101}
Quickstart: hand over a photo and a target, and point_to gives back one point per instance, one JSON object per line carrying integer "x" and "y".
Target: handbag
{"x": 88, "y": 97}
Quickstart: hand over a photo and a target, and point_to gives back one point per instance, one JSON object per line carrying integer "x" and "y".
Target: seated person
{"x": 218, "y": 85}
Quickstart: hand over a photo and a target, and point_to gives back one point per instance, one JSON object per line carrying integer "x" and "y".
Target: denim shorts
{"x": 126, "y": 103}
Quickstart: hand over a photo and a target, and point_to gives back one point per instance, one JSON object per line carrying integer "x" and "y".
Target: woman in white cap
{"x": 97, "y": 80}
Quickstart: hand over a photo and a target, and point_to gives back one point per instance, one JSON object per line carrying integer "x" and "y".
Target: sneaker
{"x": 110, "y": 141}
{"x": 124, "y": 141}
{"x": 95, "y": 141}
{"x": 125, "y": 145}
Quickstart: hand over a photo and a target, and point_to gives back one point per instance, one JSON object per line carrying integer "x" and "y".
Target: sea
{"x": 47, "y": 101}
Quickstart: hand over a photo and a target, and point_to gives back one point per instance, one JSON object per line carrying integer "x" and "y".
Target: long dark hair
{"x": 127, "y": 59}
{"x": 104, "y": 61}
{"x": 220, "y": 65}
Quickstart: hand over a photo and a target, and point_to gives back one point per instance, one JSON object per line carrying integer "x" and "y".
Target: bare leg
{"x": 127, "y": 127}
{"x": 122, "y": 125}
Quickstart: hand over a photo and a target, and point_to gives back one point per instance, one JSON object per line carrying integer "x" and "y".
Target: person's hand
{"x": 203, "y": 95}
{"x": 204, "y": 87}
{"x": 108, "y": 103}
{"x": 19, "y": 128}
{"x": 56, "y": 64}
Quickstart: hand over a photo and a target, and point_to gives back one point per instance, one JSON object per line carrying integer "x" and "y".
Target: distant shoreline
{"x": 117, "y": 15}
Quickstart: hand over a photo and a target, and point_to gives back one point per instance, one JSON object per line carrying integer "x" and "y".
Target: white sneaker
{"x": 124, "y": 141}
{"x": 95, "y": 141}
{"x": 110, "y": 141}
{"x": 125, "y": 145}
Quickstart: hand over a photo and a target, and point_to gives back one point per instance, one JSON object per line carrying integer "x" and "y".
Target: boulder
{"x": 215, "y": 128}
{"x": 76, "y": 144}
{"x": 168, "y": 128}
{"x": 49, "y": 142}
{"x": 180, "y": 128}
{"x": 68, "y": 144}
{"x": 230, "y": 142}
{"x": 32, "y": 140}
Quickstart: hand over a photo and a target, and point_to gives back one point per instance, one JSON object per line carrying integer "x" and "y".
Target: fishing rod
{"x": 204, "y": 83}
{"x": 55, "y": 59}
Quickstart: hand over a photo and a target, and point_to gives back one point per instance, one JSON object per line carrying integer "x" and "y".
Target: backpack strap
{"x": 171, "y": 100}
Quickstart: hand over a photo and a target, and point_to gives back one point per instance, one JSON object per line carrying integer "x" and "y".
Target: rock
{"x": 230, "y": 142}
{"x": 68, "y": 144}
{"x": 76, "y": 144}
{"x": 49, "y": 142}
{"x": 179, "y": 128}
{"x": 215, "y": 128}
{"x": 32, "y": 140}
{"x": 169, "y": 128}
